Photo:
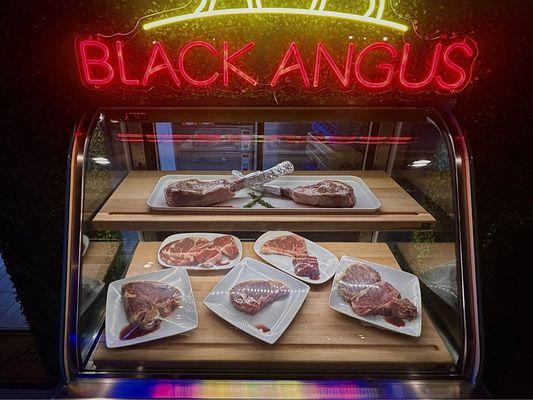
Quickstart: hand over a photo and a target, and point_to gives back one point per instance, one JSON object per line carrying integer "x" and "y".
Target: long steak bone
{"x": 196, "y": 193}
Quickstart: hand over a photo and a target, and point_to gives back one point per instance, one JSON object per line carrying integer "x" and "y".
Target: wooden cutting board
{"x": 318, "y": 339}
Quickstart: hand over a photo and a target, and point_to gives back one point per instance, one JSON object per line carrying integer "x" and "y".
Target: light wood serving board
{"x": 126, "y": 209}
{"x": 318, "y": 337}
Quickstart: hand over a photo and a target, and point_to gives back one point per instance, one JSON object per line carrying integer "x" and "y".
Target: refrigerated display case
{"x": 354, "y": 260}
{"x": 414, "y": 161}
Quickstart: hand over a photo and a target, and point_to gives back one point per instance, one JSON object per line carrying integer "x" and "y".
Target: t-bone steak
{"x": 286, "y": 245}
{"x": 356, "y": 278}
{"x": 251, "y": 297}
{"x": 330, "y": 194}
{"x": 306, "y": 266}
{"x": 145, "y": 303}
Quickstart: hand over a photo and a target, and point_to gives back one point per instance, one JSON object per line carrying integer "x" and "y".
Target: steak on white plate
{"x": 362, "y": 287}
{"x": 251, "y": 297}
{"x": 145, "y": 303}
{"x": 196, "y": 251}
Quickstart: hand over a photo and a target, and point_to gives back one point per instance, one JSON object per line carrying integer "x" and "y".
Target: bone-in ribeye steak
{"x": 194, "y": 251}
{"x": 251, "y": 297}
{"x": 286, "y": 245}
{"x": 331, "y": 194}
{"x": 145, "y": 303}
{"x": 367, "y": 294}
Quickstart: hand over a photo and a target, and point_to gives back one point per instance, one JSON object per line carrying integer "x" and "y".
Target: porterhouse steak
{"x": 251, "y": 297}
{"x": 145, "y": 303}
{"x": 331, "y": 194}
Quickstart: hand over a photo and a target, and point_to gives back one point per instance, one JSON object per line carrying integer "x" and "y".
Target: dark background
{"x": 42, "y": 100}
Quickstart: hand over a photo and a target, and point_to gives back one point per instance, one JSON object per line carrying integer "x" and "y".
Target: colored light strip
{"x": 288, "y": 11}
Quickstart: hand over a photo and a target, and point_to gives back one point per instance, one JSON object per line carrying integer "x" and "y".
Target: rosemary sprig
{"x": 258, "y": 199}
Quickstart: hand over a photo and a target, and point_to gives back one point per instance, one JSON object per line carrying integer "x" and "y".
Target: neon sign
{"x": 373, "y": 15}
{"x": 378, "y": 66}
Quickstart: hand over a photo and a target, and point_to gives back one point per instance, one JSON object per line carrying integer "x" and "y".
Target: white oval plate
{"x": 327, "y": 261}
{"x": 277, "y": 316}
{"x": 183, "y": 319}
{"x": 407, "y": 284}
{"x": 209, "y": 236}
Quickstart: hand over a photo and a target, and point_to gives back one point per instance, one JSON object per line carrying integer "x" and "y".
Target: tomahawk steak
{"x": 330, "y": 194}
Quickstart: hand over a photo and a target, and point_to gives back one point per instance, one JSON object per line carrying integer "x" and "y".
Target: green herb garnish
{"x": 258, "y": 199}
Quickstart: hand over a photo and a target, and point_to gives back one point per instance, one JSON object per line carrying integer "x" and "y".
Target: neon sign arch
{"x": 318, "y": 8}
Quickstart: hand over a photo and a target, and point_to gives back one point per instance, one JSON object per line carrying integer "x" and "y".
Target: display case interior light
{"x": 101, "y": 160}
{"x": 419, "y": 163}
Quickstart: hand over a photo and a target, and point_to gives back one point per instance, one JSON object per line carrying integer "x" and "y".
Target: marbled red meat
{"x": 306, "y": 266}
{"x": 251, "y": 297}
{"x": 367, "y": 294}
{"x": 372, "y": 300}
{"x": 356, "y": 278}
{"x": 145, "y": 303}
{"x": 330, "y": 194}
{"x": 195, "y": 251}
{"x": 286, "y": 245}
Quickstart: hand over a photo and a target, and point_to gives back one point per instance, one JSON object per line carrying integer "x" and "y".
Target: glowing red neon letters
{"x": 374, "y": 67}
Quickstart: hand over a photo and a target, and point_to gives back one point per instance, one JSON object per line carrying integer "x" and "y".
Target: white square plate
{"x": 407, "y": 284}
{"x": 209, "y": 236}
{"x": 183, "y": 319}
{"x": 277, "y": 316}
{"x": 327, "y": 261}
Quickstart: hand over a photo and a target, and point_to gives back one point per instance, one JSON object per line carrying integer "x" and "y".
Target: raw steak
{"x": 195, "y": 251}
{"x": 356, "y": 278}
{"x": 182, "y": 252}
{"x": 287, "y": 245}
{"x": 196, "y": 193}
{"x": 251, "y": 297}
{"x": 145, "y": 303}
{"x": 372, "y": 300}
{"x": 227, "y": 246}
{"x": 399, "y": 309}
{"x": 306, "y": 266}
{"x": 331, "y": 194}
